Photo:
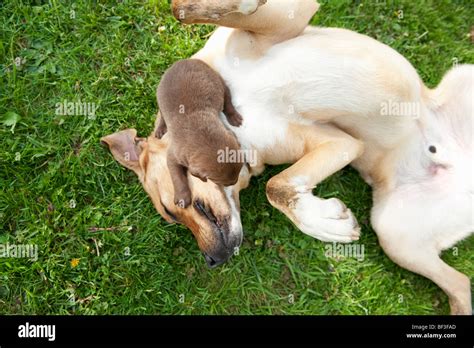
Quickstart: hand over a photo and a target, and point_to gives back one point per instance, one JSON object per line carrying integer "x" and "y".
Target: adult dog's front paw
{"x": 328, "y": 220}
{"x": 194, "y": 11}
{"x": 247, "y": 7}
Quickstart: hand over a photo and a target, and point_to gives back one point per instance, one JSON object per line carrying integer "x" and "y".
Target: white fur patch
{"x": 235, "y": 223}
{"x": 300, "y": 183}
{"x": 325, "y": 219}
{"x": 248, "y": 6}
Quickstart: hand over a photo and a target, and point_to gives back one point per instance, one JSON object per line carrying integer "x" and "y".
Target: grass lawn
{"x": 102, "y": 247}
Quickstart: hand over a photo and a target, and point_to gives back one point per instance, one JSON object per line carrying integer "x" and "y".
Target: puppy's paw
{"x": 328, "y": 220}
{"x": 182, "y": 201}
{"x": 160, "y": 131}
{"x": 234, "y": 118}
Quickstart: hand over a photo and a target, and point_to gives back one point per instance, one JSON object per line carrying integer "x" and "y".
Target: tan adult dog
{"x": 322, "y": 99}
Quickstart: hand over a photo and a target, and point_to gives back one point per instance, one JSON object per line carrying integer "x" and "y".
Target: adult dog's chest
{"x": 266, "y": 116}
{"x": 268, "y": 110}
{"x": 319, "y": 77}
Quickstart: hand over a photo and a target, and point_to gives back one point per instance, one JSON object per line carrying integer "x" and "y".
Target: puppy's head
{"x": 214, "y": 215}
{"x": 219, "y": 157}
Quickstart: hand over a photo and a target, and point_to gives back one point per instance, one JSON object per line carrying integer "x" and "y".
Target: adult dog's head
{"x": 214, "y": 215}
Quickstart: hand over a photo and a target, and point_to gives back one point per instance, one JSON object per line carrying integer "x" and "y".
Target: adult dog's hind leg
{"x": 326, "y": 151}
{"x": 413, "y": 229}
{"x": 424, "y": 260}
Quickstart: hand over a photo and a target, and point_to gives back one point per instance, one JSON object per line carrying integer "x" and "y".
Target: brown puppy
{"x": 190, "y": 97}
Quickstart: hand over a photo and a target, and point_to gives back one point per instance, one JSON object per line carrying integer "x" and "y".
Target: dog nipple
{"x": 432, "y": 149}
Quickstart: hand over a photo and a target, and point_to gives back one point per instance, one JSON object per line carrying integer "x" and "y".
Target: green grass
{"x": 113, "y": 55}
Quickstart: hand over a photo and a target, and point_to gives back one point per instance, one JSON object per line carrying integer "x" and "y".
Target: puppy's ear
{"x": 126, "y": 148}
{"x": 199, "y": 176}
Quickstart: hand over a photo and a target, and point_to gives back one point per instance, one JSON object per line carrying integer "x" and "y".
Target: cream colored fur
{"x": 318, "y": 97}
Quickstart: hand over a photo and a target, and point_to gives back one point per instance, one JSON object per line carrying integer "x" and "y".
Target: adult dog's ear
{"x": 126, "y": 148}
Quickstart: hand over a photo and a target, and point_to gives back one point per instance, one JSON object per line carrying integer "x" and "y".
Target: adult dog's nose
{"x": 214, "y": 261}
{"x": 222, "y": 238}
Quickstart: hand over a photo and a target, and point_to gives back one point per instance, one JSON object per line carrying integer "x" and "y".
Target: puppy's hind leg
{"x": 233, "y": 116}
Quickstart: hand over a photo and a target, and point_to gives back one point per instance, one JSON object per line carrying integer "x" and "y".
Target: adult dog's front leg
{"x": 275, "y": 20}
{"x": 327, "y": 150}
{"x": 193, "y": 11}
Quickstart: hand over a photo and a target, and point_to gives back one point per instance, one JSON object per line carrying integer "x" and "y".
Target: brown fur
{"x": 190, "y": 96}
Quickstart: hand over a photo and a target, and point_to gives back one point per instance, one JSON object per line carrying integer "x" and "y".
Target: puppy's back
{"x": 189, "y": 86}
